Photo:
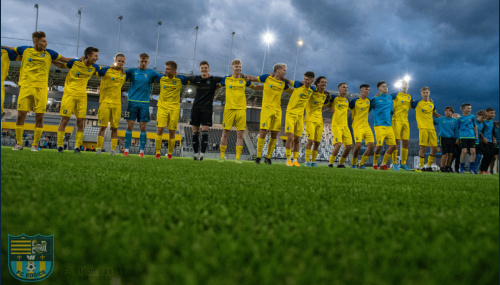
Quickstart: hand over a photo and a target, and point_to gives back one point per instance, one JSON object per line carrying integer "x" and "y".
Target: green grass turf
{"x": 187, "y": 222}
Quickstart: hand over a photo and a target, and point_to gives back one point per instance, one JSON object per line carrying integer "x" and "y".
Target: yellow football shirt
{"x": 111, "y": 85}
{"x": 78, "y": 77}
{"x": 341, "y": 107}
{"x": 402, "y": 103}
{"x": 314, "y": 107}
{"x": 423, "y": 113}
{"x": 235, "y": 92}
{"x": 170, "y": 92}
{"x": 299, "y": 98}
{"x": 273, "y": 88}
{"x": 7, "y": 56}
{"x": 35, "y": 66}
{"x": 360, "y": 109}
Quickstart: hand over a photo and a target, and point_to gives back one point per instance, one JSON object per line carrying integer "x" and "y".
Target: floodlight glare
{"x": 268, "y": 38}
{"x": 398, "y": 84}
{"x": 407, "y": 78}
{"x": 300, "y": 42}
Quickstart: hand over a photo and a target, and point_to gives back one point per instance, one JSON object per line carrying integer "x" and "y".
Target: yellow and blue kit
{"x": 110, "y": 105}
{"x": 34, "y": 78}
{"x": 360, "y": 109}
{"x": 340, "y": 128}
{"x": 294, "y": 119}
{"x": 382, "y": 108}
{"x": 314, "y": 116}
{"x": 236, "y": 103}
{"x": 423, "y": 113}
{"x": 75, "y": 88}
{"x": 400, "y": 124}
{"x": 270, "y": 115}
{"x": 169, "y": 101}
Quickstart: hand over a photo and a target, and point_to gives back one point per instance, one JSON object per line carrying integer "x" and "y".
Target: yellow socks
{"x": 288, "y": 153}
{"x": 239, "y": 150}
{"x": 100, "y": 141}
{"x": 157, "y": 144}
{"x": 38, "y": 135}
{"x": 404, "y": 155}
{"x": 260, "y": 146}
{"x": 270, "y": 147}
{"x": 395, "y": 156}
{"x": 364, "y": 158}
{"x": 295, "y": 155}
{"x": 332, "y": 159}
{"x": 79, "y": 139}
{"x": 114, "y": 143}
{"x": 386, "y": 159}
{"x": 375, "y": 159}
{"x": 19, "y": 134}
{"x": 430, "y": 160}
{"x": 422, "y": 161}
{"x": 314, "y": 155}
{"x": 222, "y": 151}
{"x": 60, "y": 138}
{"x": 308, "y": 155}
{"x": 171, "y": 145}
{"x": 342, "y": 160}
{"x": 354, "y": 161}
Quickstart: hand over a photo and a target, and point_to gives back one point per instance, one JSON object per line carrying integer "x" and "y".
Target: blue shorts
{"x": 137, "y": 111}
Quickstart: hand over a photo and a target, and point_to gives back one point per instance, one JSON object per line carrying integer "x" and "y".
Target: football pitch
{"x": 118, "y": 220}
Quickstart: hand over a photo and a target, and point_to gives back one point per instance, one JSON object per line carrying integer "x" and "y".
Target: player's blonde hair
{"x": 425, "y": 88}
{"x": 236, "y": 61}
{"x": 278, "y": 66}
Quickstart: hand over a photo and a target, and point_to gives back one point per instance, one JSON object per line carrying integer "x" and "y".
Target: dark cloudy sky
{"x": 450, "y": 46}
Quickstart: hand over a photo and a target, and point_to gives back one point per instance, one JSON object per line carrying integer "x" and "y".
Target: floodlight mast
{"x": 299, "y": 44}
{"x": 268, "y": 38}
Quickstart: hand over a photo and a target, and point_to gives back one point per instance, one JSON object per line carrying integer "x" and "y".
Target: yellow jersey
{"x": 170, "y": 92}
{"x": 112, "y": 81}
{"x": 273, "y": 88}
{"x": 7, "y": 56}
{"x": 299, "y": 98}
{"x": 402, "y": 103}
{"x": 314, "y": 107}
{"x": 341, "y": 106}
{"x": 35, "y": 66}
{"x": 78, "y": 77}
{"x": 360, "y": 109}
{"x": 235, "y": 92}
{"x": 423, "y": 113}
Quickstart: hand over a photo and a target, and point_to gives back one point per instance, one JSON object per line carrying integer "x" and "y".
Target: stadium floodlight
{"x": 78, "y": 38}
{"x": 268, "y": 38}
{"x": 407, "y": 78}
{"x": 36, "y": 22}
{"x": 299, "y": 44}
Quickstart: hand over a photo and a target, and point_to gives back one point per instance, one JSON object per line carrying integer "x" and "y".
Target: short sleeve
{"x": 333, "y": 98}
{"x": 262, "y": 78}
{"x": 102, "y": 71}
{"x": 352, "y": 104}
{"x": 414, "y": 104}
{"x": 474, "y": 121}
{"x": 286, "y": 86}
{"x": 394, "y": 95}
{"x": 183, "y": 79}
{"x": 54, "y": 55}
{"x": 296, "y": 84}
{"x": 372, "y": 103}
{"x": 12, "y": 54}
{"x": 20, "y": 50}
{"x": 313, "y": 88}
{"x": 97, "y": 67}
{"x": 249, "y": 84}
{"x": 70, "y": 63}
{"x": 223, "y": 81}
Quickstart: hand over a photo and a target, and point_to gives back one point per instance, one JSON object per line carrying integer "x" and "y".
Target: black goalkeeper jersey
{"x": 205, "y": 90}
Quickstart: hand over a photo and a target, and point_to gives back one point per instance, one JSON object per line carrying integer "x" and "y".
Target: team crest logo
{"x": 308, "y": 92}
{"x": 42, "y": 55}
{"x": 174, "y": 82}
{"x": 31, "y": 258}
{"x": 264, "y": 124}
{"x": 90, "y": 69}
{"x": 145, "y": 75}
{"x": 367, "y": 102}
{"x": 409, "y": 98}
{"x": 315, "y": 102}
{"x": 241, "y": 81}
{"x": 281, "y": 83}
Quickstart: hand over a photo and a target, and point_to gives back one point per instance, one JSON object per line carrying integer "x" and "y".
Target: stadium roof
{"x": 57, "y": 77}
